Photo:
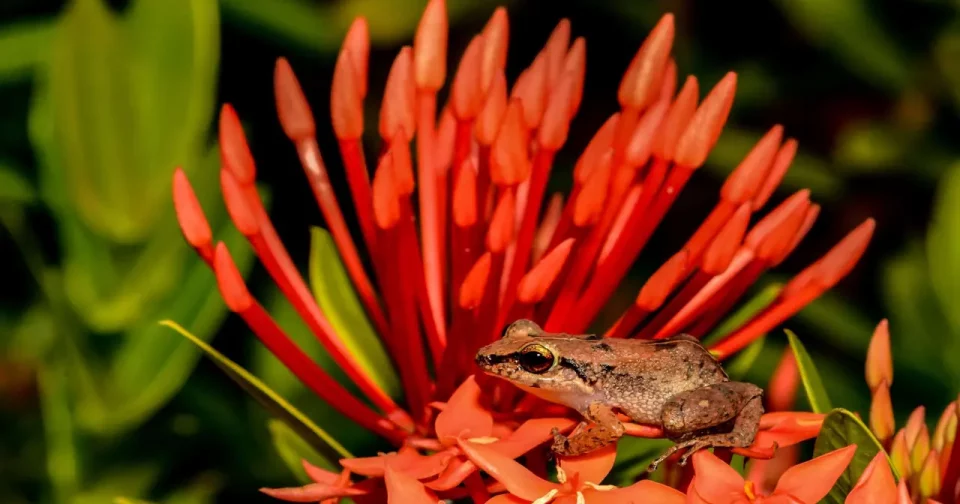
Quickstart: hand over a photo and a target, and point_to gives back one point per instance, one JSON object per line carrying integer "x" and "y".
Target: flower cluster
{"x": 464, "y": 244}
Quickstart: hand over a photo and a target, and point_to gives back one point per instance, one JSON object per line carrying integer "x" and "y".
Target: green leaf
{"x": 759, "y": 301}
{"x": 819, "y": 401}
{"x": 13, "y": 187}
{"x": 741, "y": 364}
{"x": 293, "y": 449}
{"x": 633, "y": 458}
{"x": 334, "y": 292}
{"x": 842, "y": 428}
{"x": 851, "y": 31}
{"x": 276, "y": 405}
{"x": 943, "y": 245}
{"x": 122, "y": 480}
{"x": 23, "y": 46}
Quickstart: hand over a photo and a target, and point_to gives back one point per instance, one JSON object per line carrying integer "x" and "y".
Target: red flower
{"x": 478, "y": 252}
{"x": 715, "y": 482}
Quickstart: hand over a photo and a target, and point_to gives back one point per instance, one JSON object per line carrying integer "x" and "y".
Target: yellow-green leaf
{"x": 816, "y": 393}
{"x": 293, "y": 449}
{"x": 276, "y": 405}
{"x": 337, "y": 298}
{"x": 842, "y": 428}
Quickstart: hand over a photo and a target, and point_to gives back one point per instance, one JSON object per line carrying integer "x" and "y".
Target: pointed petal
{"x": 876, "y": 484}
{"x": 515, "y": 477}
{"x": 642, "y": 491}
{"x": 591, "y": 467}
{"x": 714, "y": 480}
{"x": 465, "y": 415}
{"x": 812, "y": 480}
{"x": 404, "y": 489}
{"x": 879, "y": 361}
{"x": 310, "y": 493}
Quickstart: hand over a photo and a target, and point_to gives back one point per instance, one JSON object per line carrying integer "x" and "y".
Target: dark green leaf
{"x": 740, "y": 364}
{"x": 759, "y": 301}
{"x": 336, "y": 296}
{"x": 633, "y": 458}
{"x": 842, "y": 428}
{"x": 819, "y": 401}
{"x": 13, "y": 187}
{"x": 276, "y": 405}
{"x": 943, "y": 245}
{"x": 24, "y": 46}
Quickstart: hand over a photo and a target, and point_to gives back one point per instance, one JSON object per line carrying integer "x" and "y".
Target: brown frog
{"x": 674, "y": 384}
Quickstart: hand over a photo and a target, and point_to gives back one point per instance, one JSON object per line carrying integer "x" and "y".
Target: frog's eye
{"x": 536, "y": 359}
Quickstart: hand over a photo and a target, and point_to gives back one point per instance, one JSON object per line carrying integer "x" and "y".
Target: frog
{"x": 673, "y": 383}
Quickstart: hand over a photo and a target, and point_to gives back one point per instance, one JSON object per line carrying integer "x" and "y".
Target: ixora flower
{"x": 481, "y": 250}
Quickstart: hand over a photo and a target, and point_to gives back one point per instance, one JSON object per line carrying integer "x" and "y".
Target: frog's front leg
{"x": 689, "y": 413}
{"x": 605, "y": 429}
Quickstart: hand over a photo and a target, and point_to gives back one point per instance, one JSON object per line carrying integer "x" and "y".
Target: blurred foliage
{"x": 100, "y": 99}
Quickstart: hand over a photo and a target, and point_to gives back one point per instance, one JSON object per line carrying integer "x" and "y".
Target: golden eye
{"x": 536, "y": 359}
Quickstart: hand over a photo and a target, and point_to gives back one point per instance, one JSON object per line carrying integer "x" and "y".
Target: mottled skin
{"x": 671, "y": 383}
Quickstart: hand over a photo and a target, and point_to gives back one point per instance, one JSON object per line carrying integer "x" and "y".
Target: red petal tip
{"x": 535, "y": 284}
{"x": 662, "y": 282}
{"x": 681, "y": 111}
{"x": 781, "y": 164}
{"x": 719, "y": 254}
{"x": 467, "y": 94}
{"x": 845, "y": 254}
{"x": 704, "y": 129}
{"x": 386, "y": 202}
{"x": 879, "y": 366}
{"x": 640, "y": 84}
{"x": 357, "y": 43}
{"x": 398, "y": 110}
{"x": 496, "y": 35}
{"x": 237, "y": 205}
{"x": 193, "y": 222}
{"x": 465, "y": 196}
{"x": 748, "y": 178}
{"x": 232, "y": 287}
{"x": 474, "y": 284}
{"x": 488, "y": 123}
{"x": 292, "y": 107}
{"x": 430, "y": 47}
{"x": 502, "y": 223}
{"x": 234, "y": 152}
{"x": 346, "y": 101}
{"x": 509, "y": 157}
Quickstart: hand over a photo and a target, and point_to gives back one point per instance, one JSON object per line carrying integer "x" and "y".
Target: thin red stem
{"x": 359, "y": 180}
{"x": 323, "y": 192}
{"x": 524, "y": 239}
{"x": 680, "y": 300}
{"x": 628, "y": 321}
{"x": 720, "y": 305}
{"x": 433, "y": 251}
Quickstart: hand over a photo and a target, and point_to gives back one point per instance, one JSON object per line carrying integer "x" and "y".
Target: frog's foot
{"x": 586, "y": 438}
{"x": 742, "y": 435}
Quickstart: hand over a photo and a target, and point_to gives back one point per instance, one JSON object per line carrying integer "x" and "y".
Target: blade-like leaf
{"x": 943, "y": 245}
{"x": 842, "y": 428}
{"x": 741, "y": 364}
{"x": 334, "y": 292}
{"x": 759, "y": 301}
{"x": 276, "y": 405}
{"x": 817, "y": 395}
{"x": 293, "y": 449}
{"x": 23, "y": 46}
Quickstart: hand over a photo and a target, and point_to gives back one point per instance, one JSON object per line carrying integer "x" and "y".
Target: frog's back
{"x": 648, "y": 373}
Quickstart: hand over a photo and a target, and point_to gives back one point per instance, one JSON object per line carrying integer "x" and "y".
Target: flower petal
{"x": 319, "y": 475}
{"x": 593, "y": 466}
{"x": 518, "y": 480}
{"x": 715, "y": 481}
{"x": 876, "y": 484}
{"x": 465, "y": 416}
{"x": 782, "y": 428}
{"x": 404, "y": 489}
{"x": 641, "y": 491}
{"x": 313, "y": 492}
{"x": 813, "y": 479}
{"x": 506, "y": 499}
{"x": 410, "y": 463}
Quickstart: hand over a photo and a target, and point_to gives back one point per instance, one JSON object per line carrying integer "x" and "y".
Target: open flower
{"x": 459, "y": 241}
{"x": 715, "y": 482}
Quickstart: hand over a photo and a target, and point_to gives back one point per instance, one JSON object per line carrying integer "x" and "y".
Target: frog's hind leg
{"x": 693, "y": 417}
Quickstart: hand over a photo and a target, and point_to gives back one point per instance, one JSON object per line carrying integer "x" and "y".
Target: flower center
{"x": 749, "y": 489}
